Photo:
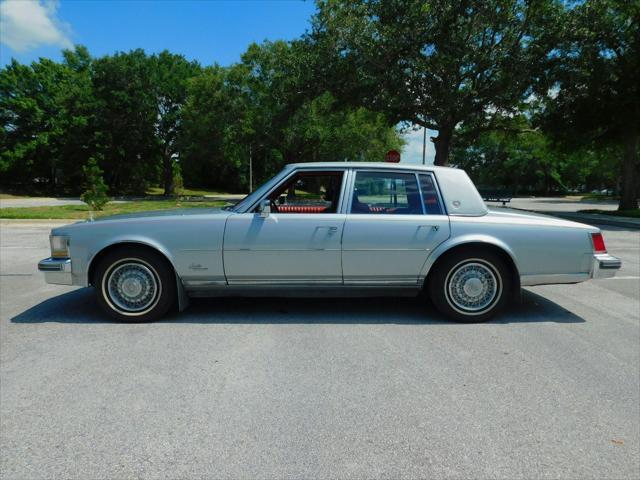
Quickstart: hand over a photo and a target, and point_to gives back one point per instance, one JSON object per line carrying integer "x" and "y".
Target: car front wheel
{"x": 470, "y": 285}
{"x": 135, "y": 285}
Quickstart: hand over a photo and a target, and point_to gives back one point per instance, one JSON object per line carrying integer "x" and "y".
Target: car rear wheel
{"x": 470, "y": 285}
{"x": 135, "y": 285}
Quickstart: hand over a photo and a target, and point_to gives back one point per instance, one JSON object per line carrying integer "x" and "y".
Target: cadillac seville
{"x": 330, "y": 229}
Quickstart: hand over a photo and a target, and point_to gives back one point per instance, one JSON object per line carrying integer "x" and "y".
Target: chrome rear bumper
{"x": 605, "y": 265}
{"x": 56, "y": 270}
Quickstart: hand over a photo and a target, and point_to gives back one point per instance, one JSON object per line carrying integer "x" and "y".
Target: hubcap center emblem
{"x": 132, "y": 287}
{"x": 473, "y": 287}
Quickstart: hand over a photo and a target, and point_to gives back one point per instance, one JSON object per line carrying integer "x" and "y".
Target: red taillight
{"x": 598, "y": 243}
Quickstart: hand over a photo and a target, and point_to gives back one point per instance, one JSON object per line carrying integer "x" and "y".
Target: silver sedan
{"x": 330, "y": 229}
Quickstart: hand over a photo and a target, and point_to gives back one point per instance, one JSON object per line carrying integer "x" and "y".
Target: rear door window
{"x": 386, "y": 193}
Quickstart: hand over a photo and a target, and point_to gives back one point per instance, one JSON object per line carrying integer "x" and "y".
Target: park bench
{"x": 501, "y": 196}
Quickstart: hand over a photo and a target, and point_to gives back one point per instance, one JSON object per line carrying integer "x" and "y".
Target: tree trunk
{"x": 53, "y": 183}
{"x": 167, "y": 174}
{"x": 547, "y": 181}
{"x": 630, "y": 180}
{"x": 442, "y": 145}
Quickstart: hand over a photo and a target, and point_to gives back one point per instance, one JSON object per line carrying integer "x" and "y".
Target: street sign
{"x": 392, "y": 156}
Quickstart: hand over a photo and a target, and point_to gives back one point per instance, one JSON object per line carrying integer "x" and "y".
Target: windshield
{"x": 256, "y": 194}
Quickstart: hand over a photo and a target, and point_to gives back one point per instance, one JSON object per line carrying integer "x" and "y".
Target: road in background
{"x": 564, "y": 204}
{"x": 314, "y": 388}
{"x": 56, "y": 202}
{"x": 38, "y": 202}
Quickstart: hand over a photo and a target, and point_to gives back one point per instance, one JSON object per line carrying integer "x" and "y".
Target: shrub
{"x": 178, "y": 184}
{"x": 96, "y": 193}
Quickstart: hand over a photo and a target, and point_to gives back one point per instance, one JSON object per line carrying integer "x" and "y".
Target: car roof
{"x": 377, "y": 165}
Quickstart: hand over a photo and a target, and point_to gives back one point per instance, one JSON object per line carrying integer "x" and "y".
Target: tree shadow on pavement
{"x": 79, "y": 306}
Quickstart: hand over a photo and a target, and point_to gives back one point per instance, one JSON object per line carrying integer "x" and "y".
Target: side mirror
{"x": 265, "y": 208}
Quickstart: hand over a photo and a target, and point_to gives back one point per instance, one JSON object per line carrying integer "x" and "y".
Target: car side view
{"x": 333, "y": 229}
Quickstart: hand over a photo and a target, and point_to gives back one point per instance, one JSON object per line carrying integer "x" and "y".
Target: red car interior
{"x": 301, "y": 209}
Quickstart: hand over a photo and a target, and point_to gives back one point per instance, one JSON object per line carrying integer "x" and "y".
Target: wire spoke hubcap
{"x": 132, "y": 287}
{"x": 472, "y": 286}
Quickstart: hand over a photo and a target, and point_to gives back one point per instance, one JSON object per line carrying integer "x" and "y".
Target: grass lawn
{"x": 634, "y": 213}
{"x": 7, "y": 196}
{"x": 81, "y": 212}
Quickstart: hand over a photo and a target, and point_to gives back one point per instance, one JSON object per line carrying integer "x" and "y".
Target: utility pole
{"x": 250, "y": 171}
{"x": 424, "y": 145}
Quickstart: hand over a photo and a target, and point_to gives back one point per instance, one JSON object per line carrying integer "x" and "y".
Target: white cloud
{"x": 29, "y": 24}
{"x": 412, "y": 151}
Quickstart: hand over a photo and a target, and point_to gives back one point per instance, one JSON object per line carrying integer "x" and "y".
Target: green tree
{"x": 263, "y": 107}
{"x": 270, "y": 77}
{"x": 448, "y": 66}
{"x": 46, "y": 114}
{"x": 209, "y": 116}
{"x": 126, "y": 120}
{"x": 171, "y": 76}
{"x": 322, "y": 130}
{"x": 289, "y": 118}
{"x": 597, "y": 96}
{"x": 521, "y": 159}
{"x": 23, "y": 135}
{"x": 95, "y": 194}
{"x": 77, "y": 112}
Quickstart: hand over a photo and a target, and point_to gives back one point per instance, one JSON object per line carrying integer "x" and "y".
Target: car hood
{"x": 164, "y": 215}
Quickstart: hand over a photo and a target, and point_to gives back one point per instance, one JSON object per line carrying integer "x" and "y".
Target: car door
{"x": 395, "y": 219}
{"x": 298, "y": 242}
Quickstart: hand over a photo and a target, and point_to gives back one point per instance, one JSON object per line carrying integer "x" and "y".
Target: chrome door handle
{"x": 331, "y": 229}
{"x": 435, "y": 228}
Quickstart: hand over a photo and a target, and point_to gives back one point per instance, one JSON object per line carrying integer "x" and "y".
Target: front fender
{"x": 191, "y": 243}
{"x": 95, "y": 249}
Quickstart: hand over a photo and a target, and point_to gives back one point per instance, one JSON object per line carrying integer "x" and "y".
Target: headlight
{"x": 59, "y": 246}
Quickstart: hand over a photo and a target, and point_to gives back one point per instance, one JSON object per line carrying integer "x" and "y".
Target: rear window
{"x": 430, "y": 198}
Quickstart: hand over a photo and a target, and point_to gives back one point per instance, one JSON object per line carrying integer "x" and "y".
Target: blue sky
{"x": 205, "y": 30}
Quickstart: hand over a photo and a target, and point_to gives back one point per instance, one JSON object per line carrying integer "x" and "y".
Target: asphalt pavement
{"x": 294, "y": 388}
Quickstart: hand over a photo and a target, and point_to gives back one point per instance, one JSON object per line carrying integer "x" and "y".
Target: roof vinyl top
{"x": 382, "y": 165}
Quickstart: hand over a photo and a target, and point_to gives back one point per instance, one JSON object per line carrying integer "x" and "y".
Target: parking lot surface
{"x": 275, "y": 388}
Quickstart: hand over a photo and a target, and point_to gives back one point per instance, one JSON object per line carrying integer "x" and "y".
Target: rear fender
{"x": 462, "y": 240}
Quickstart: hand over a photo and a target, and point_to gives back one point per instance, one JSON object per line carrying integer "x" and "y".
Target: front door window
{"x": 308, "y": 192}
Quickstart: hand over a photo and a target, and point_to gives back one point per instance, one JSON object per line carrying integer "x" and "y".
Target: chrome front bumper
{"x": 56, "y": 270}
{"x": 605, "y": 265}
